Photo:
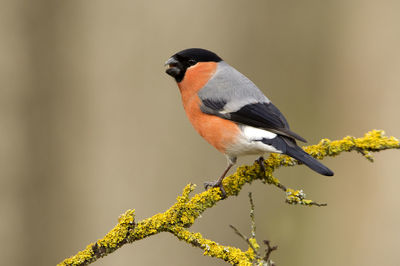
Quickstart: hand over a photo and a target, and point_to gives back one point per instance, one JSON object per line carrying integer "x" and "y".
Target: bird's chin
{"x": 173, "y": 71}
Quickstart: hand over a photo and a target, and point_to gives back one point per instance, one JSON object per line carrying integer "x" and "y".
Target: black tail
{"x": 300, "y": 155}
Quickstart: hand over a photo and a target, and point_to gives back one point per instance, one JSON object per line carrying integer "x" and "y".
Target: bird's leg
{"x": 218, "y": 183}
{"x": 260, "y": 161}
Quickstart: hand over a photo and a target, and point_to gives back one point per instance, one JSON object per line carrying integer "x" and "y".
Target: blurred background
{"x": 90, "y": 125}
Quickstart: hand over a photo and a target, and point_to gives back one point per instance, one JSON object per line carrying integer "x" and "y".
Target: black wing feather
{"x": 259, "y": 115}
{"x": 216, "y": 105}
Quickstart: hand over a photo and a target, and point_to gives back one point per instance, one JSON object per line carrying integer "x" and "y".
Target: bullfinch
{"x": 231, "y": 113}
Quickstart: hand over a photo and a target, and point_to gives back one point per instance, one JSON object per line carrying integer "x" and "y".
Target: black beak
{"x": 173, "y": 69}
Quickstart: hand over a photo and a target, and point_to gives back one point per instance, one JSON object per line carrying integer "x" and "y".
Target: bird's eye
{"x": 192, "y": 62}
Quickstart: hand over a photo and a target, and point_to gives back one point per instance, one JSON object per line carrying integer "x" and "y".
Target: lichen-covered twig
{"x": 187, "y": 209}
{"x": 252, "y": 218}
{"x": 252, "y": 241}
{"x": 117, "y": 237}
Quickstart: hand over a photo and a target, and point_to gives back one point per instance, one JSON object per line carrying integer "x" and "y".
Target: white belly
{"x": 248, "y": 142}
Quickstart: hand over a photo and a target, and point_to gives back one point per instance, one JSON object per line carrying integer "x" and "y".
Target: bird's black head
{"x": 179, "y": 62}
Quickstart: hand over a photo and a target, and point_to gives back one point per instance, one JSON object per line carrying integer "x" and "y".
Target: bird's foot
{"x": 214, "y": 184}
{"x": 261, "y": 162}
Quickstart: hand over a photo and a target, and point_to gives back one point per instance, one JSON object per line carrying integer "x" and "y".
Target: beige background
{"x": 90, "y": 125}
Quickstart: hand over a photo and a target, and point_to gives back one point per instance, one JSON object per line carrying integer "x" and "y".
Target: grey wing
{"x": 230, "y": 95}
{"x": 231, "y": 87}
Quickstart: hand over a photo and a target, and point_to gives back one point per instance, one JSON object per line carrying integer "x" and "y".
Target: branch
{"x": 186, "y": 210}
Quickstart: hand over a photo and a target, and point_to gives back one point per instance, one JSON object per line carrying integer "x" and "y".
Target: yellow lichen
{"x": 232, "y": 255}
{"x": 254, "y": 243}
{"x": 81, "y": 258}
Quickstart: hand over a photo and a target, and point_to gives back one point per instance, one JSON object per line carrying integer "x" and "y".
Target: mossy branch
{"x": 187, "y": 209}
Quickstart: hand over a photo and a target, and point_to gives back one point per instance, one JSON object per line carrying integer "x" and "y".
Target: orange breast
{"x": 217, "y": 131}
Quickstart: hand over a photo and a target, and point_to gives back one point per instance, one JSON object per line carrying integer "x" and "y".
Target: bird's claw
{"x": 214, "y": 184}
{"x": 261, "y": 162}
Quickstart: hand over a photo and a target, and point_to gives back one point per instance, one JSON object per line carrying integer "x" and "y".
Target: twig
{"x": 268, "y": 250}
{"x": 252, "y": 218}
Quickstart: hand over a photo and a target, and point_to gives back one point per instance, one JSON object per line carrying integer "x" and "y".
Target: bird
{"x": 231, "y": 113}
